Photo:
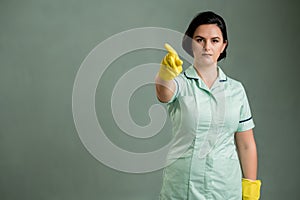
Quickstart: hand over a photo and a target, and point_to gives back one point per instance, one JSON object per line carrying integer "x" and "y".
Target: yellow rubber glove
{"x": 251, "y": 189}
{"x": 171, "y": 65}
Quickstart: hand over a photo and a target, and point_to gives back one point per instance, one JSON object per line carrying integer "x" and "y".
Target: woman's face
{"x": 208, "y": 44}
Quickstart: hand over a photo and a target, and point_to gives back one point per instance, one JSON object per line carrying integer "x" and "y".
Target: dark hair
{"x": 207, "y": 17}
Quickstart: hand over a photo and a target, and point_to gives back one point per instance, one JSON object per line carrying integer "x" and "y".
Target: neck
{"x": 208, "y": 73}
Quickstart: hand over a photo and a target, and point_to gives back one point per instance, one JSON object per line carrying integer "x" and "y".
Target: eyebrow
{"x": 198, "y": 36}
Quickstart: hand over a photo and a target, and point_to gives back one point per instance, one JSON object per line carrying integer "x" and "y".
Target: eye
{"x": 199, "y": 40}
{"x": 215, "y": 40}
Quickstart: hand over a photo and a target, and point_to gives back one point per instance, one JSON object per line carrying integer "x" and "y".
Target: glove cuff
{"x": 251, "y": 189}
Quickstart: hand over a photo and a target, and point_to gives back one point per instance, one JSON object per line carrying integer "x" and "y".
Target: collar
{"x": 191, "y": 73}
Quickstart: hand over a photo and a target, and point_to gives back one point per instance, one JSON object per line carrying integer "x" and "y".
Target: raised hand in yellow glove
{"x": 251, "y": 189}
{"x": 171, "y": 65}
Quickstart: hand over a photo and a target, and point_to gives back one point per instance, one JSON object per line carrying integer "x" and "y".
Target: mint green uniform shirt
{"x": 204, "y": 161}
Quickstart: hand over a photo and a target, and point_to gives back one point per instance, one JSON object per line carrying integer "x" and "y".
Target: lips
{"x": 206, "y": 54}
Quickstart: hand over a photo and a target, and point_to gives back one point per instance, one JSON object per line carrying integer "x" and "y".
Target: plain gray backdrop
{"x": 42, "y": 45}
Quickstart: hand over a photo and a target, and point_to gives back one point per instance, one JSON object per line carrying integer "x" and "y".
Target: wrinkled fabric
{"x": 204, "y": 164}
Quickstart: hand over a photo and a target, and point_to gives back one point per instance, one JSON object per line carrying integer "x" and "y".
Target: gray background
{"x": 42, "y": 45}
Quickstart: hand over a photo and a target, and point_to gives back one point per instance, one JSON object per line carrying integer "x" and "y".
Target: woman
{"x": 211, "y": 119}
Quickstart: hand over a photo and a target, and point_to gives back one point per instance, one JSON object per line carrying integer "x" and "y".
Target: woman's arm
{"x": 247, "y": 152}
{"x": 164, "y": 89}
{"x": 171, "y": 66}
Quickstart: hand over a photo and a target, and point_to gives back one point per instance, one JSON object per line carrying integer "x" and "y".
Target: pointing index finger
{"x": 170, "y": 49}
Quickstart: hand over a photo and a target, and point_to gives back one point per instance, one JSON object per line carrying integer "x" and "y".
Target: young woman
{"x": 211, "y": 120}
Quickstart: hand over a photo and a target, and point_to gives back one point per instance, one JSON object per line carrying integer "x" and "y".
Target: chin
{"x": 205, "y": 62}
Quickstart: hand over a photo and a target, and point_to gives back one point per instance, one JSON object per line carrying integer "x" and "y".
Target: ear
{"x": 224, "y": 45}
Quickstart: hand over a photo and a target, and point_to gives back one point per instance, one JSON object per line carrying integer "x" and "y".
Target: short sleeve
{"x": 246, "y": 121}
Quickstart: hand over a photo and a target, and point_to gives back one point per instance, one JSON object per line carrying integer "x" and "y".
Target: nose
{"x": 206, "y": 45}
